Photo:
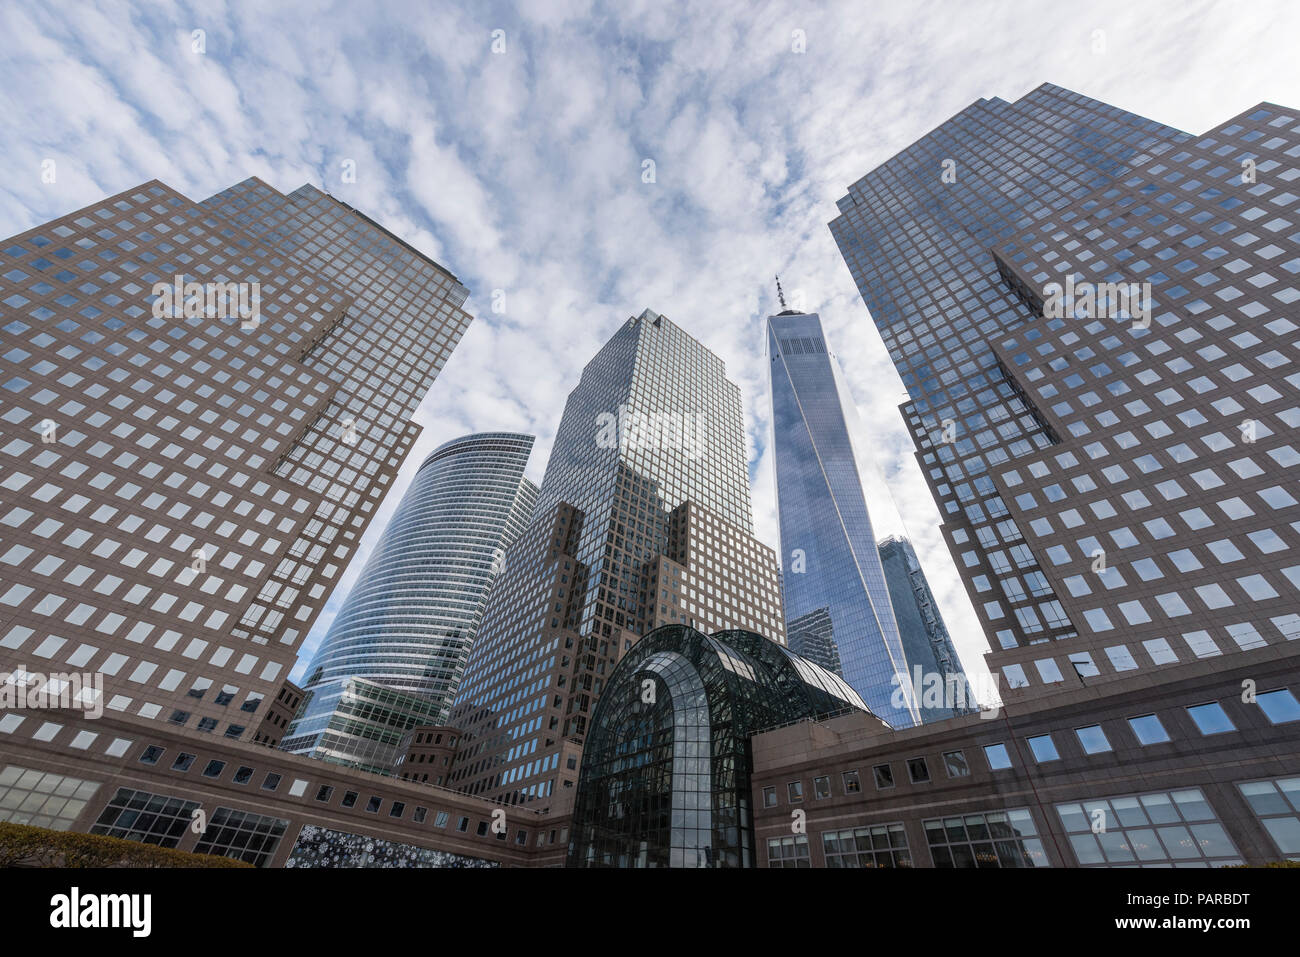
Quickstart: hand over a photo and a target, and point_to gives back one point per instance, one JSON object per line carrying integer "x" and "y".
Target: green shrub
{"x": 22, "y": 845}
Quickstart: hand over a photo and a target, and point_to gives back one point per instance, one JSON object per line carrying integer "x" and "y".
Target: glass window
{"x": 822, "y": 788}
{"x": 350, "y": 799}
{"x": 954, "y": 762}
{"x": 992, "y": 839}
{"x": 1279, "y": 706}
{"x": 271, "y": 782}
{"x": 1211, "y": 718}
{"x": 1148, "y": 730}
{"x": 997, "y": 756}
{"x": 1093, "y": 739}
{"x": 1043, "y": 748}
{"x": 918, "y": 770}
{"x": 794, "y": 791}
{"x": 769, "y": 797}
{"x": 851, "y": 783}
{"x": 884, "y": 775}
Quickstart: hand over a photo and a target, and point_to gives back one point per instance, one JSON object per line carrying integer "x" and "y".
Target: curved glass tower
{"x": 665, "y": 778}
{"x": 831, "y": 567}
{"x": 395, "y": 653}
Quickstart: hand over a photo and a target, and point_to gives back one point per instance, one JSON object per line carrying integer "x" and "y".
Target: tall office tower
{"x": 643, "y": 517}
{"x": 203, "y": 405}
{"x": 408, "y": 623}
{"x": 829, "y": 559}
{"x": 1114, "y": 462}
{"x": 933, "y": 666}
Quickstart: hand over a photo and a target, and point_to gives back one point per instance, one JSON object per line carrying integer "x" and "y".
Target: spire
{"x": 779, "y": 294}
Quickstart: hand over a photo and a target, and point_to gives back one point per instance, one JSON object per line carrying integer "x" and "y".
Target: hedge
{"x": 22, "y": 845}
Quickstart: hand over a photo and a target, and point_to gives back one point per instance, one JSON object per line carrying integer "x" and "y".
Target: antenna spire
{"x": 779, "y": 294}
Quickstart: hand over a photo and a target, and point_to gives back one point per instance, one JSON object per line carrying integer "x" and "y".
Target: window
{"x": 243, "y": 775}
{"x": 462, "y": 824}
{"x": 324, "y": 793}
{"x": 1148, "y": 730}
{"x": 1276, "y": 803}
{"x": 398, "y": 809}
{"x": 182, "y": 762}
{"x": 54, "y": 801}
{"x": 420, "y": 814}
{"x": 1159, "y": 828}
{"x": 997, "y": 756}
{"x": 1211, "y": 718}
{"x": 214, "y": 769}
{"x": 822, "y": 788}
{"x": 372, "y": 805}
{"x": 794, "y": 791}
{"x": 271, "y": 782}
{"x": 151, "y": 754}
{"x": 482, "y": 829}
{"x": 851, "y": 783}
{"x": 954, "y": 762}
{"x": 349, "y": 799}
{"x": 918, "y": 770}
{"x": 769, "y": 797}
{"x": 884, "y": 775}
{"x": 149, "y": 818}
{"x": 881, "y": 845}
{"x": 788, "y": 851}
{"x": 1093, "y": 739}
{"x": 992, "y": 839}
{"x": 1043, "y": 748}
{"x": 242, "y": 835}
{"x": 1279, "y": 706}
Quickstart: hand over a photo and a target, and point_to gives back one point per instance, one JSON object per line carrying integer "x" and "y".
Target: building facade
{"x": 643, "y": 517}
{"x": 932, "y": 660}
{"x": 1090, "y": 312}
{"x": 203, "y": 405}
{"x": 410, "y": 619}
{"x": 832, "y": 570}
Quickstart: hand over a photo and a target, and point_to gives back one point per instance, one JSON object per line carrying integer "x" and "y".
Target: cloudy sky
{"x": 521, "y": 170}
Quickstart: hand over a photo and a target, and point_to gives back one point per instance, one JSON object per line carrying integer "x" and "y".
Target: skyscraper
{"x": 832, "y": 572}
{"x": 932, "y": 662}
{"x": 643, "y": 518}
{"x": 410, "y": 619}
{"x": 1092, "y": 314}
{"x": 203, "y": 405}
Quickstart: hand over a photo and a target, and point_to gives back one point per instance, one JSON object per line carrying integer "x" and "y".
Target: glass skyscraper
{"x": 410, "y": 619}
{"x": 1094, "y": 317}
{"x": 833, "y": 578}
{"x": 933, "y": 665}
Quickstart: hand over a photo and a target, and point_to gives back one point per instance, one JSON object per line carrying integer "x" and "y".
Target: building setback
{"x": 410, "y": 619}
{"x": 643, "y": 517}
{"x": 184, "y": 482}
